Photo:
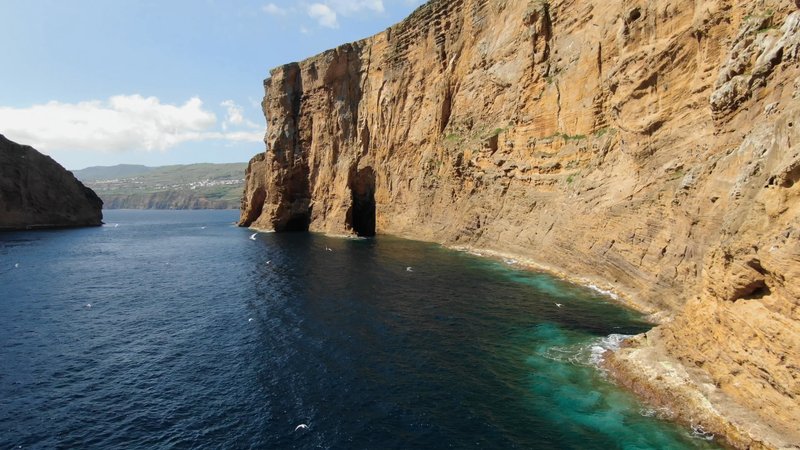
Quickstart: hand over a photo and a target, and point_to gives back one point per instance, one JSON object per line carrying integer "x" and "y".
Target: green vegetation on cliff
{"x": 194, "y": 186}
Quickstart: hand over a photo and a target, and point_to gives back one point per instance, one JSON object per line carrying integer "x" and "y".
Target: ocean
{"x": 174, "y": 329}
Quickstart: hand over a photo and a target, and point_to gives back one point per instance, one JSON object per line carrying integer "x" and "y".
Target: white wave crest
{"x": 603, "y": 292}
{"x": 588, "y": 354}
{"x": 661, "y": 412}
{"x": 699, "y": 432}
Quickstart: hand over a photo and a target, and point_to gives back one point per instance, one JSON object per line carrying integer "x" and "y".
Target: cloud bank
{"x": 328, "y": 12}
{"x": 123, "y": 123}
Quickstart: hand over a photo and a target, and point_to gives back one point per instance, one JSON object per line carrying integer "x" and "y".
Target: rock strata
{"x": 647, "y": 147}
{"x": 36, "y": 192}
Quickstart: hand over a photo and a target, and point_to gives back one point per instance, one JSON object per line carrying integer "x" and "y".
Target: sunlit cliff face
{"x": 648, "y": 148}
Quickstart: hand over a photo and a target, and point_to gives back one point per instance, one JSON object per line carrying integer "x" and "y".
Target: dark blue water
{"x": 198, "y": 337}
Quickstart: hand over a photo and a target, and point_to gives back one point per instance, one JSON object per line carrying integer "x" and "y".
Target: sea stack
{"x": 649, "y": 148}
{"x": 36, "y": 192}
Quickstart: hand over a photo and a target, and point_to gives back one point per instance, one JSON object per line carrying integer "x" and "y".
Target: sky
{"x": 159, "y": 82}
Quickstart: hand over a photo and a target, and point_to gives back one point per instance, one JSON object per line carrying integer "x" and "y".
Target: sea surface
{"x": 173, "y": 329}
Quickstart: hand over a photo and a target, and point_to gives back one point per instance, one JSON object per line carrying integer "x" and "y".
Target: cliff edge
{"x": 648, "y": 147}
{"x": 36, "y": 192}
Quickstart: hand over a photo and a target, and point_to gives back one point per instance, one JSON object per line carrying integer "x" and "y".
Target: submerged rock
{"x": 37, "y": 192}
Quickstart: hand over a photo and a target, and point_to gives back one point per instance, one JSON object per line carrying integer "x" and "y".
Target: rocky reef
{"x": 648, "y": 147}
{"x": 36, "y": 192}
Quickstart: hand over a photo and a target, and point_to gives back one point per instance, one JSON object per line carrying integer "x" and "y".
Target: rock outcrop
{"x": 649, "y": 147}
{"x": 36, "y": 192}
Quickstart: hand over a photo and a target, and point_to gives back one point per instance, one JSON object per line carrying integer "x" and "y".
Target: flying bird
{"x": 302, "y": 426}
{"x": 253, "y": 236}
{"x": 409, "y": 269}
{"x": 559, "y": 305}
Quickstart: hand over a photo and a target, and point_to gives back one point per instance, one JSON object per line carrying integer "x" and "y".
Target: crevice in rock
{"x": 756, "y": 291}
{"x": 447, "y": 105}
{"x": 256, "y": 203}
{"x": 790, "y": 176}
{"x": 361, "y": 216}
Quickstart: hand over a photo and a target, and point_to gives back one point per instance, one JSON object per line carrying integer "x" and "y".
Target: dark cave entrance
{"x": 298, "y": 222}
{"x": 362, "y": 212}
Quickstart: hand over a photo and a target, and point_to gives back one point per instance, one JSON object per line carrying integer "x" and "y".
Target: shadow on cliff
{"x": 361, "y": 215}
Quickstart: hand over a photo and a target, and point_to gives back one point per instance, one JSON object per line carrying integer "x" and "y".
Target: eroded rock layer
{"x": 36, "y": 192}
{"x": 649, "y": 147}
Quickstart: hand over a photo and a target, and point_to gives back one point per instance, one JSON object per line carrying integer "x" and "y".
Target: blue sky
{"x": 103, "y": 82}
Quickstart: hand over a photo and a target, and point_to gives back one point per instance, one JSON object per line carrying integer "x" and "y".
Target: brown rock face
{"x": 647, "y": 147}
{"x": 36, "y": 192}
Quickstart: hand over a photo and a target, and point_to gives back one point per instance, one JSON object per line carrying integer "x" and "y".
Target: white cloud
{"x": 273, "y": 9}
{"x": 122, "y": 123}
{"x": 347, "y": 7}
{"x": 235, "y": 115}
{"x": 323, "y": 14}
{"x": 327, "y": 13}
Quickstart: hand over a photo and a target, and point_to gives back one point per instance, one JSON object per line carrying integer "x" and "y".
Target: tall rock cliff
{"x": 36, "y": 192}
{"x": 650, "y": 147}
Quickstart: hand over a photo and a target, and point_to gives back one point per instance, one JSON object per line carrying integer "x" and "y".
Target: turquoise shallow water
{"x": 198, "y": 337}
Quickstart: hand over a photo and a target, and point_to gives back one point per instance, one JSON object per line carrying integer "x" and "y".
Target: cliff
{"x": 167, "y": 200}
{"x": 648, "y": 147}
{"x": 36, "y": 192}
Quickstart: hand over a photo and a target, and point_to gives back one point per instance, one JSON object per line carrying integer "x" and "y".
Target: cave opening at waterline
{"x": 298, "y": 223}
{"x": 362, "y": 212}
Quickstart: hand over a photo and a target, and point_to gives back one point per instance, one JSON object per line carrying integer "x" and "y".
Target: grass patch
{"x": 603, "y": 131}
{"x": 566, "y": 137}
{"x": 764, "y": 15}
{"x": 496, "y": 132}
{"x": 766, "y": 29}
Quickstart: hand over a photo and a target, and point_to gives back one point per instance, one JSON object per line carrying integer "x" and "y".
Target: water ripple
{"x": 461, "y": 352}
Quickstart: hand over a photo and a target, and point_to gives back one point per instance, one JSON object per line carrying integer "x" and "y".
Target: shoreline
{"x": 642, "y": 366}
{"x": 621, "y": 297}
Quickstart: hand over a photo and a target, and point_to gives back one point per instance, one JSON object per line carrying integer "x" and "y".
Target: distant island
{"x": 193, "y": 186}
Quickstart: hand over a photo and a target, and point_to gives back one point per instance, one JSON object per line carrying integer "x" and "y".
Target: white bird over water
{"x": 328, "y": 249}
{"x": 250, "y": 319}
{"x": 253, "y": 236}
{"x": 16, "y": 265}
{"x": 88, "y": 305}
{"x": 409, "y": 269}
{"x": 302, "y": 426}
{"x": 559, "y": 305}
{"x": 269, "y": 262}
